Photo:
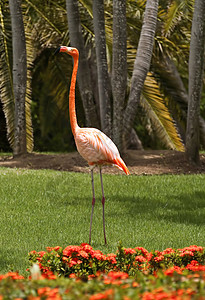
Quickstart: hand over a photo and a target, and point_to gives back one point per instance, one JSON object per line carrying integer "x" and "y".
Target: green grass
{"x": 5, "y": 153}
{"x": 41, "y": 208}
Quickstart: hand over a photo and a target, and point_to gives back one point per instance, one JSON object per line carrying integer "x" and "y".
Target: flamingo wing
{"x": 97, "y": 148}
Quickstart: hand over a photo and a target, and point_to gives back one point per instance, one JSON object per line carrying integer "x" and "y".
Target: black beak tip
{"x": 57, "y": 51}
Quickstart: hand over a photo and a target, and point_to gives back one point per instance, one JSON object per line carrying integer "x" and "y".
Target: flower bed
{"x": 80, "y": 272}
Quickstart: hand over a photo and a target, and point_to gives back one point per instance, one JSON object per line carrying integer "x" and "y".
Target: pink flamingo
{"x": 92, "y": 144}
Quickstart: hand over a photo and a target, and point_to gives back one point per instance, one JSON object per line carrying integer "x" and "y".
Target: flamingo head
{"x": 70, "y": 50}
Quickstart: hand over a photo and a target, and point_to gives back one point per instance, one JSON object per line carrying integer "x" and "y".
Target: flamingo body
{"x": 92, "y": 144}
{"x": 97, "y": 148}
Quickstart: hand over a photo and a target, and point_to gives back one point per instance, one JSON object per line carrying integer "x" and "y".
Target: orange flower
{"x": 187, "y": 252}
{"x": 115, "y": 278}
{"x": 53, "y": 292}
{"x": 190, "y": 291}
{"x": 74, "y": 262}
{"x": 104, "y": 295}
{"x": 148, "y": 296}
{"x": 170, "y": 271}
{"x": 107, "y": 281}
{"x": 125, "y": 286}
{"x": 168, "y": 251}
{"x": 135, "y": 284}
{"x": 98, "y": 255}
{"x": 49, "y": 249}
{"x": 112, "y": 258}
{"x": 86, "y": 247}
{"x": 140, "y": 258}
{"x": 159, "y": 258}
{"x": 71, "y": 249}
{"x": 48, "y": 274}
{"x": 49, "y": 293}
{"x": 98, "y": 296}
{"x": 41, "y": 253}
{"x": 33, "y": 252}
{"x": 57, "y": 248}
{"x": 129, "y": 251}
{"x": 143, "y": 250}
{"x": 118, "y": 275}
{"x": 43, "y": 291}
{"x": 192, "y": 248}
{"x": 149, "y": 256}
{"x": 195, "y": 268}
{"x": 13, "y": 275}
{"x": 84, "y": 254}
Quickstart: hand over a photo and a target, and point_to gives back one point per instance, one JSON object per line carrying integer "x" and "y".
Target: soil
{"x": 146, "y": 162}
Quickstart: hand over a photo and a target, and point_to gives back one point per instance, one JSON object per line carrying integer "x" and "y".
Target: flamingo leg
{"x": 103, "y": 204}
{"x": 93, "y": 204}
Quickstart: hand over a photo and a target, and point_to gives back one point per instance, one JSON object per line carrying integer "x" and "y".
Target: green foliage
{"x": 50, "y": 105}
{"x": 83, "y": 261}
{"x": 172, "y": 40}
{"x": 6, "y": 85}
{"x": 128, "y": 274}
{"x": 3, "y": 140}
{"x": 6, "y": 77}
{"x": 114, "y": 285}
{"x": 43, "y": 208}
{"x": 49, "y": 208}
{"x": 158, "y": 113}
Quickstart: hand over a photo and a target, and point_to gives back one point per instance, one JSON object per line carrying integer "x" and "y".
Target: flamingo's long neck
{"x": 72, "y": 111}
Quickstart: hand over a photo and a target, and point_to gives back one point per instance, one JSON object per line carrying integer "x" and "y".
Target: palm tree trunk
{"x": 196, "y": 67}
{"x": 141, "y": 65}
{"x": 83, "y": 77}
{"x": 102, "y": 68}
{"x": 119, "y": 68}
{"x": 19, "y": 75}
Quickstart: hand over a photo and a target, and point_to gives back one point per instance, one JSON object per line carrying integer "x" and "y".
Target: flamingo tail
{"x": 118, "y": 162}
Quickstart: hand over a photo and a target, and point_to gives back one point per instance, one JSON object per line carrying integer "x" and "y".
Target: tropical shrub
{"x": 80, "y": 272}
{"x": 83, "y": 260}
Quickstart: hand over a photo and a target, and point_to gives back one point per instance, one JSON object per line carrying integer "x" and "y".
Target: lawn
{"x": 49, "y": 208}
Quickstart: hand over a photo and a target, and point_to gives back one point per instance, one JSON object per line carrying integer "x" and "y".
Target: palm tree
{"x": 6, "y": 81}
{"x": 19, "y": 76}
{"x": 196, "y": 68}
{"x": 160, "y": 118}
{"x": 19, "y": 127}
{"x": 84, "y": 80}
{"x": 142, "y": 64}
{"x": 47, "y": 26}
{"x": 119, "y": 68}
{"x": 102, "y": 68}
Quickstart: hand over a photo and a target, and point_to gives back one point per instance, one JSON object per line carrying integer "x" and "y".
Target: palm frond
{"x": 43, "y": 16}
{"x": 157, "y": 111}
{"x": 176, "y": 13}
{"x": 6, "y": 82}
{"x": 48, "y": 22}
{"x": 87, "y": 4}
{"x": 50, "y": 76}
{"x": 172, "y": 17}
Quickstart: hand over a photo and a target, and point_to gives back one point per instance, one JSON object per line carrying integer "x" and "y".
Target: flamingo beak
{"x": 69, "y": 50}
{"x": 64, "y": 49}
